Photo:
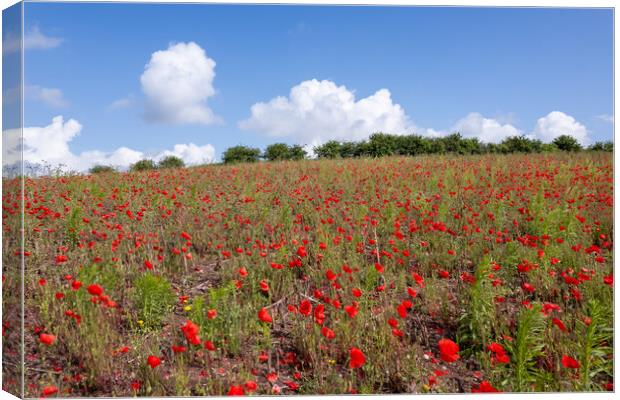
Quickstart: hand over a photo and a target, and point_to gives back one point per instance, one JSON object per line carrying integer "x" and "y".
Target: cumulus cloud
{"x": 50, "y": 146}
{"x": 487, "y": 130}
{"x": 33, "y": 39}
{"x": 177, "y": 83}
{"x": 317, "y": 111}
{"x": 556, "y": 123}
{"x": 190, "y": 153}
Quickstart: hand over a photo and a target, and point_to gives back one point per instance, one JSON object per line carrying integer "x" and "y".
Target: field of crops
{"x": 392, "y": 275}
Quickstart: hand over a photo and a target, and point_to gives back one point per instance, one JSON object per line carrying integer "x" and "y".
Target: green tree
{"x": 521, "y": 144}
{"x": 171, "y": 162}
{"x": 239, "y": 154}
{"x": 329, "y": 149}
{"x": 276, "y": 152}
{"x": 296, "y": 152}
{"x": 566, "y": 143}
{"x": 382, "y": 144}
{"x": 602, "y": 146}
{"x": 143, "y": 165}
{"x": 101, "y": 169}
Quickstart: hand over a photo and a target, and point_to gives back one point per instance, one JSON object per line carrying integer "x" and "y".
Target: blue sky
{"x": 493, "y": 70}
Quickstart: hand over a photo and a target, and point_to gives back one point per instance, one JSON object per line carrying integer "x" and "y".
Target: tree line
{"x": 381, "y": 145}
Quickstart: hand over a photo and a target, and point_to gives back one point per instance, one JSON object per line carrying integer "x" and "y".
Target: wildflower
{"x": 236, "y": 390}
{"x": 190, "y": 330}
{"x": 569, "y": 362}
{"x": 153, "y": 361}
{"x": 209, "y": 345}
{"x": 95, "y": 289}
{"x": 448, "y": 350}
{"x": 264, "y": 315}
{"x": 484, "y": 387}
{"x": 357, "y": 359}
{"x": 328, "y": 333}
{"x": 48, "y": 391}
{"x": 558, "y": 322}
{"x": 251, "y": 386}
{"x": 47, "y": 339}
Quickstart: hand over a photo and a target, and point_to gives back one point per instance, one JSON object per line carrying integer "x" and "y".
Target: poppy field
{"x": 430, "y": 274}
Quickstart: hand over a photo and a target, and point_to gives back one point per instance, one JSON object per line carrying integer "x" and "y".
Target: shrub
{"x": 296, "y": 152}
{"x": 521, "y": 144}
{"x": 602, "y": 146}
{"x": 329, "y": 149}
{"x": 154, "y": 299}
{"x": 277, "y": 151}
{"x": 566, "y": 143}
{"x": 171, "y": 162}
{"x": 143, "y": 165}
{"x": 100, "y": 169}
{"x": 238, "y": 154}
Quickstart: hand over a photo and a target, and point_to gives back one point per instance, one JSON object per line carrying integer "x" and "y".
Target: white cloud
{"x": 190, "y": 153}
{"x": 49, "y": 145}
{"x": 177, "y": 83}
{"x": 50, "y": 96}
{"x": 487, "y": 130}
{"x": 556, "y": 123}
{"x": 317, "y": 111}
{"x": 123, "y": 102}
{"x": 606, "y": 118}
{"x": 33, "y": 39}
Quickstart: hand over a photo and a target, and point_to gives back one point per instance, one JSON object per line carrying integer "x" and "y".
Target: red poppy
{"x": 190, "y": 330}
{"x": 264, "y": 315}
{"x": 179, "y": 349}
{"x": 356, "y": 292}
{"x": 186, "y": 236}
{"x": 448, "y": 350}
{"x": 47, "y": 339}
{"x": 305, "y": 307}
{"x": 484, "y": 387}
{"x": 528, "y": 287}
{"x": 328, "y": 333}
{"x": 301, "y": 251}
{"x": 153, "y": 361}
{"x": 48, "y": 391}
{"x": 330, "y": 275}
{"x": 95, "y": 289}
{"x": 357, "y": 359}
{"x": 209, "y": 345}
{"x": 251, "y": 386}
{"x": 319, "y": 314}
{"x": 351, "y": 310}
{"x": 569, "y": 362}
{"x": 558, "y": 322}
{"x": 272, "y": 377}
{"x": 211, "y": 314}
{"x": 236, "y": 390}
